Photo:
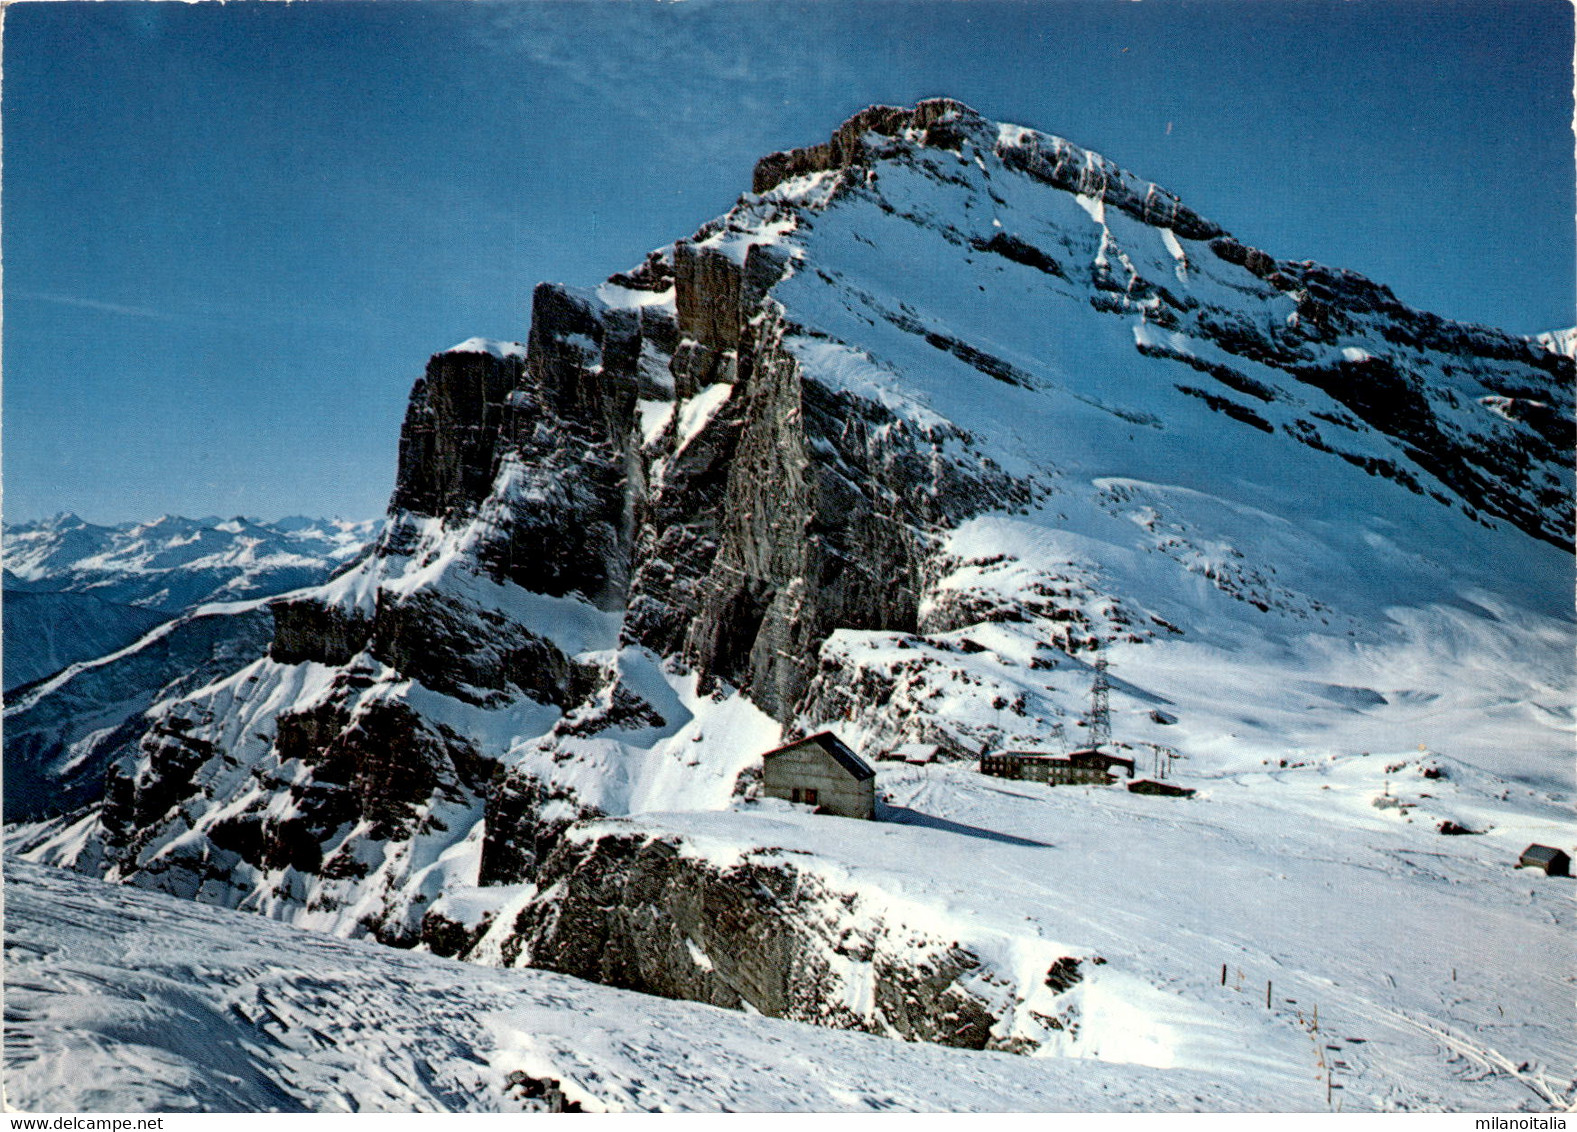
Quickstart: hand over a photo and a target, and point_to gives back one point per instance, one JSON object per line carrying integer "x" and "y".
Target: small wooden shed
{"x": 917, "y": 754}
{"x": 821, "y": 771}
{"x": 1552, "y": 861}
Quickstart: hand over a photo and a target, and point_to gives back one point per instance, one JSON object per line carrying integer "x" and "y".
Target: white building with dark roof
{"x": 821, "y": 771}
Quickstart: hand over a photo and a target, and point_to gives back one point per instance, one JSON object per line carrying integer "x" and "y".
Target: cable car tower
{"x": 1100, "y": 719}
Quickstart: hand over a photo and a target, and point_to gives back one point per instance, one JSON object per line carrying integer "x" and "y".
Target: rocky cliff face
{"x": 651, "y": 911}
{"x": 937, "y": 411}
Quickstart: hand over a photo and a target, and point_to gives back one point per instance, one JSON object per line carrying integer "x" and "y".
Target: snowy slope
{"x": 1339, "y": 913}
{"x": 61, "y": 733}
{"x": 125, "y": 1001}
{"x": 103, "y": 622}
{"x": 1307, "y": 877}
{"x": 1563, "y": 341}
{"x": 1166, "y": 510}
{"x": 45, "y": 632}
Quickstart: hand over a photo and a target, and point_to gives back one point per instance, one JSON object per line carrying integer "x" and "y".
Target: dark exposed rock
{"x": 654, "y": 274}
{"x": 1226, "y": 375}
{"x": 469, "y": 652}
{"x": 377, "y": 766}
{"x": 679, "y": 529}
{"x": 291, "y": 843}
{"x": 1230, "y": 407}
{"x": 986, "y": 363}
{"x": 373, "y": 769}
{"x": 707, "y": 294}
{"x": 1063, "y": 974}
{"x": 308, "y": 629}
{"x": 566, "y": 524}
{"x": 1019, "y": 251}
{"x": 633, "y": 910}
{"x": 518, "y": 837}
{"x": 806, "y": 540}
{"x": 446, "y": 937}
{"x": 848, "y": 146}
{"x": 137, "y": 799}
{"x": 1504, "y": 474}
{"x": 449, "y": 441}
{"x": 540, "y": 1093}
{"x": 1253, "y": 260}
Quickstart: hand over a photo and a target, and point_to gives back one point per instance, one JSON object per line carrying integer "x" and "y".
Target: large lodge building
{"x": 1087, "y": 767}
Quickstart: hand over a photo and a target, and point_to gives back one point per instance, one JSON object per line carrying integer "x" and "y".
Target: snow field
{"x": 123, "y": 1000}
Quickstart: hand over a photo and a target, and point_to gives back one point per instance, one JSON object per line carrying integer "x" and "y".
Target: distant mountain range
{"x": 75, "y": 590}
{"x": 102, "y": 622}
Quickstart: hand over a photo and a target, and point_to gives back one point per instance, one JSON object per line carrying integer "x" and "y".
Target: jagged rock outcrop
{"x": 943, "y": 123}
{"x": 810, "y": 538}
{"x": 449, "y": 442}
{"x": 645, "y": 911}
{"x": 308, "y": 629}
{"x": 526, "y": 817}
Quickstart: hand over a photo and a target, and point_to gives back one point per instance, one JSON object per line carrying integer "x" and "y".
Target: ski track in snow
{"x": 122, "y": 1000}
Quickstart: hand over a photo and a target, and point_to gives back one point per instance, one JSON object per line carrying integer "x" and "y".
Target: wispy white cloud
{"x": 699, "y": 75}
{"x": 93, "y": 304}
{"x": 224, "y": 316}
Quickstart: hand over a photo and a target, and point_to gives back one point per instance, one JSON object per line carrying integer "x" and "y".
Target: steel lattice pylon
{"x": 1100, "y": 720}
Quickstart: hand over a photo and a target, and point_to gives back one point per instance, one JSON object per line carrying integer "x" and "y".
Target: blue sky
{"x": 233, "y": 234}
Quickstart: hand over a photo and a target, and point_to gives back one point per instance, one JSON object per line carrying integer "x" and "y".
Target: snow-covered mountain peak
{"x": 936, "y": 416}
{"x": 64, "y": 520}
{"x": 76, "y": 591}
{"x": 68, "y": 555}
{"x": 945, "y": 126}
{"x": 1563, "y": 342}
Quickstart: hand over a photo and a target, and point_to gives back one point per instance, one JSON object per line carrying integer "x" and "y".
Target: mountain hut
{"x": 1554, "y": 862}
{"x": 821, "y": 771}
